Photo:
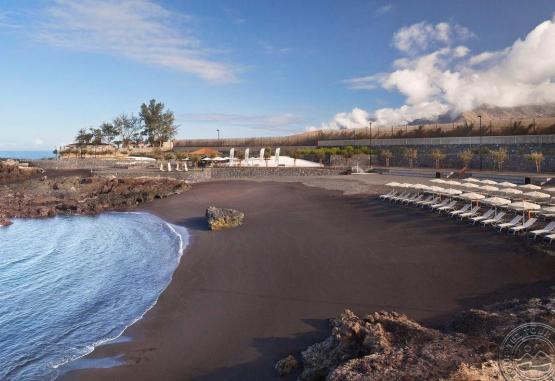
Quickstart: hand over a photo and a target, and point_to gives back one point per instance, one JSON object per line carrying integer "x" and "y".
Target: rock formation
{"x": 286, "y": 365}
{"x": 75, "y": 195}
{"x": 389, "y": 346}
{"x": 221, "y": 218}
{"x": 11, "y": 170}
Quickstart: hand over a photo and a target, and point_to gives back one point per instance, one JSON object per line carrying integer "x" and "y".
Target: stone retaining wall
{"x": 516, "y": 160}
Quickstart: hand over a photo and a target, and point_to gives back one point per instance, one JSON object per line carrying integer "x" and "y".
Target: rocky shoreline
{"x": 390, "y": 346}
{"x": 75, "y": 195}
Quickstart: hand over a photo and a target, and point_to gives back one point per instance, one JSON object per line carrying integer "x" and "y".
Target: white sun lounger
{"x": 440, "y": 204}
{"x": 388, "y": 195}
{"x": 494, "y": 220}
{"x": 409, "y": 198}
{"x": 484, "y": 216}
{"x": 546, "y": 230}
{"x": 525, "y": 226}
{"x": 470, "y": 213}
{"x": 462, "y": 210}
{"x": 416, "y": 199}
{"x": 432, "y": 201}
{"x": 550, "y": 237}
{"x": 510, "y": 224}
{"x": 447, "y": 207}
{"x": 400, "y": 197}
{"x": 427, "y": 199}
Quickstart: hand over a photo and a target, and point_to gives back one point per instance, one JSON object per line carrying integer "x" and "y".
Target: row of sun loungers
{"x": 499, "y": 220}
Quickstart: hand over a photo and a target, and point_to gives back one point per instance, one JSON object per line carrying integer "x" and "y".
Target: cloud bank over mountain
{"x": 437, "y": 74}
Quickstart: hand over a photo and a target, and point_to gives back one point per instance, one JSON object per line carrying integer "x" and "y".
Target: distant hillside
{"x": 490, "y": 113}
{"x": 520, "y": 120}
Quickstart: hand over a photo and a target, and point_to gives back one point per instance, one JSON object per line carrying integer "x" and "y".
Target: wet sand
{"x": 243, "y": 298}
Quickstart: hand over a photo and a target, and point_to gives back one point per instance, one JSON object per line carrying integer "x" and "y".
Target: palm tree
{"x": 411, "y": 154}
{"x": 437, "y": 155}
{"x": 240, "y": 155}
{"x": 295, "y": 155}
{"x": 387, "y": 155}
{"x": 499, "y": 156}
{"x": 466, "y": 156}
{"x": 537, "y": 158}
{"x": 267, "y": 154}
{"x": 320, "y": 155}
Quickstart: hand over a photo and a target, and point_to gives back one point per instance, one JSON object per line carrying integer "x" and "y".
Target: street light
{"x": 218, "y": 131}
{"x": 370, "y": 148}
{"x": 480, "y": 116}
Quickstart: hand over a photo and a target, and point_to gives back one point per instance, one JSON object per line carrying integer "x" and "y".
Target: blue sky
{"x": 255, "y": 68}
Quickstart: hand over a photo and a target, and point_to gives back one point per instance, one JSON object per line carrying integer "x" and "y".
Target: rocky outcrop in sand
{"x": 4, "y": 222}
{"x": 286, "y": 365}
{"x": 75, "y": 195}
{"x": 389, "y": 346}
{"x": 11, "y": 170}
{"x": 222, "y": 218}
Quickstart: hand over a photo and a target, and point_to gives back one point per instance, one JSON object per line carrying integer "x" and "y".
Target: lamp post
{"x": 218, "y": 131}
{"x": 480, "y": 116}
{"x": 370, "y": 142}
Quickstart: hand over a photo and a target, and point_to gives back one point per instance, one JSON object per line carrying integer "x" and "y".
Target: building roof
{"x": 205, "y": 152}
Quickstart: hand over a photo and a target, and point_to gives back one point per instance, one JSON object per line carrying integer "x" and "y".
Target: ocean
{"x": 69, "y": 284}
{"x": 27, "y": 155}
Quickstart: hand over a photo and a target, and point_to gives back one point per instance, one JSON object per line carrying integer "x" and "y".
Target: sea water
{"x": 27, "y": 155}
{"x": 68, "y": 284}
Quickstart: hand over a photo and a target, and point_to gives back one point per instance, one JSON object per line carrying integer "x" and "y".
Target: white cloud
{"x": 421, "y": 36}
{"x": 354, "y": 119}
{"x": 139, "y": 30}
{"x": 266, "y": 122}
{"x": 452, "y": 80}
{"x": 39, "y": 142}
{"x": 386, "y": 8}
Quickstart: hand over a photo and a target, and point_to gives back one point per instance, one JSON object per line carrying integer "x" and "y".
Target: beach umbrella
{"x": 489, "y": 182}
{"x": 496, "y": 201}
{"x": 420, "y": 187}
{"x": 530, "y": 186}
{"x": 524, "y": 206}
{"x": 507, "y": 184}
{"x": 471, "y": 185}
{"x": 489, "y": 188}
{"x": 511, "y": 191}
{"x": 206, "y": 159}
{"x": 451, "y": 192}
{"x": 438, "y": 181}
{"x": 452, "y": 182}
{"x": 392, "y": 184}
{"x": 550, "y": 190}
{"x": 435, "y": 189}
{"x": 472, "y": 196}
{"x": 549, "y": 209}
{"x": 537, "y": 195}
{"x": 471, "y": 180}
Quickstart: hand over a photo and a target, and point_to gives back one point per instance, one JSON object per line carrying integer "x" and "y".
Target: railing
{"x": 470, "y": 140}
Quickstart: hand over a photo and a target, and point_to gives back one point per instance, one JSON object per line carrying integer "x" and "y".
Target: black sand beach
{"x": 243, "y": 298}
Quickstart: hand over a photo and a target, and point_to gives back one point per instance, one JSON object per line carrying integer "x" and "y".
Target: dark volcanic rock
{"x": 389, "y": 346}
{"x": 221, "y": 218}
{"x": 4, "y": 222}
{"x": 72, "y": 195}
{"x": 286, "y": 365}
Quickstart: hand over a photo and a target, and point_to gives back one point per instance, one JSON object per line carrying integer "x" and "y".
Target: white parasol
{"x": 471, "y": 185}
{"x": 506, "y": 184}
{"x": 537, "y": 195}
{"x": 489, "y": 188}
{"x": 452, "y": 182}
{"x": 511, "y": 191}
{"x": 392, "y": 184}
{"x": 451, "y": 192}
{"x": 472, "y": 196}
{"x": 471, "y": 180}
{"x": 496, "y": 201}
{"x": 530, "y": 186}
{"x": 438, "y": 181}
{"x": 524, "y": 206}
{"x": 489, "y": 182}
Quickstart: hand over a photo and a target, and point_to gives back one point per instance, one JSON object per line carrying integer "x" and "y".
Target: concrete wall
{"x": 516, "y": 161}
